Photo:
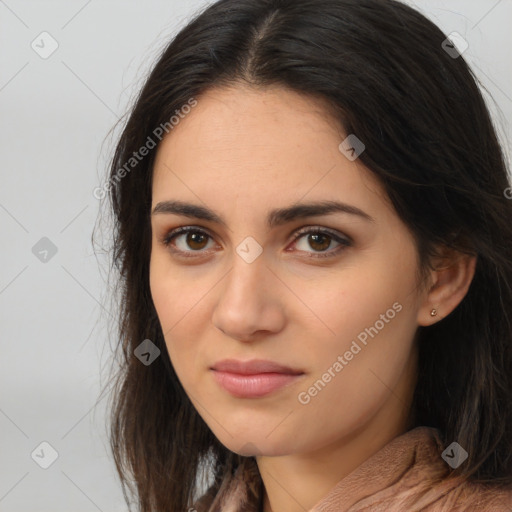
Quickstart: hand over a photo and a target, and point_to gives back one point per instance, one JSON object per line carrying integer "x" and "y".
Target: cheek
{"x": 368, "y": 318}
{"x": 178, "y": 294}
{"x": 372, "y": 298}
{"x": 182, "y": 299}
{"x": 174, "y": 300}
{"x": 354, "y": 377}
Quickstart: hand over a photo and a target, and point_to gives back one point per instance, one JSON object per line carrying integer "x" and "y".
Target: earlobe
{"x": 450, "y": 284}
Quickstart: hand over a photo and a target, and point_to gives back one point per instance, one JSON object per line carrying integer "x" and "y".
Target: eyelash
{"x": 344, "y": 242}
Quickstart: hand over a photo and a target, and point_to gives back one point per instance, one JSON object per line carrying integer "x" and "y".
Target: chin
{"x": 254, "y": 444}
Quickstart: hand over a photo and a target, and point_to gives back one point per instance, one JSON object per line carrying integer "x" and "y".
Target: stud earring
{"x": 433, "y": 312}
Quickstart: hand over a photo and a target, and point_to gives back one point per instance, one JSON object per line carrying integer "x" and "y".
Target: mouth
{"x": 253, "y": 379}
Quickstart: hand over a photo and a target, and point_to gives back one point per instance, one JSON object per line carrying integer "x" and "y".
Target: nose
{"x": 250, "y": 301}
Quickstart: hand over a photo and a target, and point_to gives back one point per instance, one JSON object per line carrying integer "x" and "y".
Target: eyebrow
{"x": 276, "y": 217}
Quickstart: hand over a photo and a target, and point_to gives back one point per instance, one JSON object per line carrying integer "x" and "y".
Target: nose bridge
{"x": 244, "y": 282}
{"x": 245, "y": 303}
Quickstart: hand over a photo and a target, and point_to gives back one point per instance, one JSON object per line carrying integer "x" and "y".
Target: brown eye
{"x": 320, "y": 240}
{"x": 188, "y": 240}
{"x": 195, "y": 241}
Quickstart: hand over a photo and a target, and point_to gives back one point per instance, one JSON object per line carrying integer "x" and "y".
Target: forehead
{"x": 230, "y": 114}
{"x": 272, "y": 144}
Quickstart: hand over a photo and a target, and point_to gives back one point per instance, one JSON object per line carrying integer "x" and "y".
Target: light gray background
{"x": 54, "y": 116}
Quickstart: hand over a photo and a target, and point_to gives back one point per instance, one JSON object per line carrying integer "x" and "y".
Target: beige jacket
{"x": 406, "y": 475}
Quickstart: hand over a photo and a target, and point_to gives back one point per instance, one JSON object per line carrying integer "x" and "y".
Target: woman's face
{"x": 339, "y": 307}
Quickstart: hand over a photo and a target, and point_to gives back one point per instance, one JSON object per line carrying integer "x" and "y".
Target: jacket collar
{"x": 406, "y": 474}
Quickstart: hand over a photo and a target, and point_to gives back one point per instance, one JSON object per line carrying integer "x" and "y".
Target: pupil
{"x": 315, "y": 240}
{"x": 192, "y": 239}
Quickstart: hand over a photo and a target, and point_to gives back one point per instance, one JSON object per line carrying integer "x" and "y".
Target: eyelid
{"x": 322, "y": 230}
{"x": 173, "y": 233}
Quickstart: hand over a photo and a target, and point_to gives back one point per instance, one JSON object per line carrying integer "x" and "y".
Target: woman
{"x": 313, "y": 240}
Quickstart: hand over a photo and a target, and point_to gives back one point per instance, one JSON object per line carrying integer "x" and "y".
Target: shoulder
{"x": 470, "y": 496}
{"x": 420, "y": 480}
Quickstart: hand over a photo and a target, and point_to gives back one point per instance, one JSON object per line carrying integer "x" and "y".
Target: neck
{"x": 298, "y": 481}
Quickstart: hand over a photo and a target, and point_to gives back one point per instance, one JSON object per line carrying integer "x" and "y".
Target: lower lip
{"x": 253, "y": 386}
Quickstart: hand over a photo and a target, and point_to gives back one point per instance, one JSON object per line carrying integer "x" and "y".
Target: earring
{"x": 433, "y": 312}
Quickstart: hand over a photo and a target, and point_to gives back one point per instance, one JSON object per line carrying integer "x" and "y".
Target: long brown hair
{"x": 429, "y": 139}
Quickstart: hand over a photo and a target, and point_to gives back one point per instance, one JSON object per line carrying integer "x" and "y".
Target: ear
{"x": 450, "y": 279}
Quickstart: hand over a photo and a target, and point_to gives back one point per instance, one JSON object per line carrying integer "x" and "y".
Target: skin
{"x": 242, "y": 152}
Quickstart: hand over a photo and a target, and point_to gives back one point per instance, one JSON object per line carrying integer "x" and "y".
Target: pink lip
{"x": 254, "y": 367}
{"x": 253, "y": 379}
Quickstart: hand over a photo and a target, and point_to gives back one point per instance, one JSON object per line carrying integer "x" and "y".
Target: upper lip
{"x": 253, "y": 367}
